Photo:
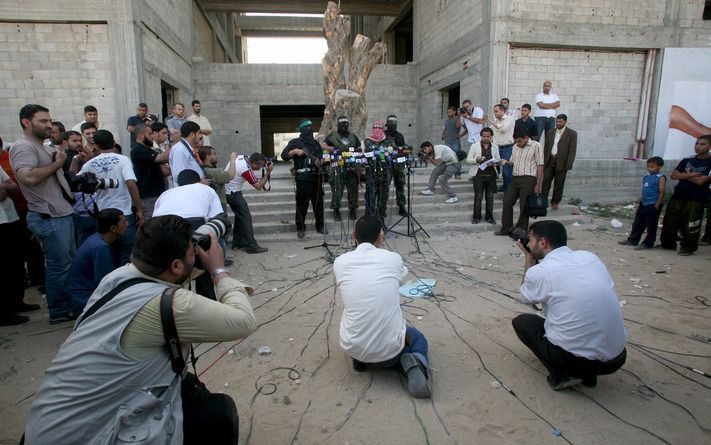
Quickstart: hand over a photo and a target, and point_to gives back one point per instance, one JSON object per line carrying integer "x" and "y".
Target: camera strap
{"x": 109, "y": 296}
{"x": 170, "y": 333}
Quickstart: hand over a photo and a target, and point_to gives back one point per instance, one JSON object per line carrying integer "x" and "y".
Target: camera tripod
{"x": 411, "y": 221}
{"x": 324, "y": 244}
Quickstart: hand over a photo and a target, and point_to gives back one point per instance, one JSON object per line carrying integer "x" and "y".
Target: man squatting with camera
{"x": 373, "y": 331}
{"x": 116, "y": 364}
{"x": 583, "y": 334}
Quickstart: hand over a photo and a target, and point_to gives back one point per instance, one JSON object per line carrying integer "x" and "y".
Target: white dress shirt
{"x": 189, "y": 201}
{"x": 182, "y": 158}
{"x": 372, "y": 325}
{"x": 583, "y": 315}
{"x": 503, "y": 131}
{"x": 473, "y": 128}
{"x": 558, "y": 134}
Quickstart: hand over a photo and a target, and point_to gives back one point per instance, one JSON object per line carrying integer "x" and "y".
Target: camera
{"x": 518, "y": 234}
{"x": 463, "y": 110}
{"x": 201, "y": 236}
{"x": 270, "y": 160}
{"x": 89, "y": 183}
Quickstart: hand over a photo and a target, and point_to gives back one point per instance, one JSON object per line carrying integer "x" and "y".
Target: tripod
{"x": 324, "y": 244}
{"x": 411, "y": 221}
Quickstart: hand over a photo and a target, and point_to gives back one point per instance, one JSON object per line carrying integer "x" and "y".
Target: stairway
{"x": 273, "y": 211}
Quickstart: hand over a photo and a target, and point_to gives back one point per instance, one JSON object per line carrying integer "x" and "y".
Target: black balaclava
{"x": 343, "y": 124}
{"x": 391, "y": 124}
{"x": 306, "y": 130}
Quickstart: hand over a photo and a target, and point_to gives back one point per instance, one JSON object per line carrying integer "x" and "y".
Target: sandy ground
{"x": 306, "y": 392}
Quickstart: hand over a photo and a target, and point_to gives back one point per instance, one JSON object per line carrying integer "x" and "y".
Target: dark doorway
{"x": 450, "y": 97}
{"x": 403, "y": 35}
{"x": 283, "y": 120}
{"x": 167, "y": 94}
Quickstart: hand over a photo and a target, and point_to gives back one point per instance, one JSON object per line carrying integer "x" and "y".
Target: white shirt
{"x": 582, "y": 313}
{"x": 204, "y": 125}
{"x": 546, "y": 99}
{"x": 558, "y": 134}
{"x": 120, "y": 169}
{"x": 244, "y": 173}
{"x": 8, "y": 213}
{"x": 189, "y": 201}
{"x": 503, "y": 135}
{"x": 182, "y": 158}
{"x": 473, "y": 128}
{"x": 372, "y": 325}
{"x": 445, "y": 154}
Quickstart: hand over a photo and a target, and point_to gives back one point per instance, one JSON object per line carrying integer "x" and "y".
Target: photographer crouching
{"x": 113, "y": 374}
{"x": 582, "y": 335}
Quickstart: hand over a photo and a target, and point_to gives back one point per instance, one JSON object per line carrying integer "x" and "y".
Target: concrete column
{"x": 126, "y": 48}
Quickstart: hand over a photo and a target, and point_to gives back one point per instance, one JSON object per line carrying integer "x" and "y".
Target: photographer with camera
{"x": 38, "y": 170}
{"x": 446, "y": 162}
{"x": 307, "y": 155}
{"x": 117, "y": 187}
{"x": 583, "y": 333}
{"x": 114, "y": 371}
{"x": 248, "y": 170}
{"x": 199, "y": 204}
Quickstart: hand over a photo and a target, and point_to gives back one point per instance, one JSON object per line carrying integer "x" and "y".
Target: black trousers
{"x": 646, "y": 218}
{"x": 555, "y": 177}
{"x": 209, "y": 418}
{"x": 12, "y": 268}
{"x": 684, "y": 216}
{"x": 519, "y": 190}
{"x": 242, "y": 231}
{"x": 559, "y": 362}
{"x": 484, "y": 187}
{"x": 309, "y": 191}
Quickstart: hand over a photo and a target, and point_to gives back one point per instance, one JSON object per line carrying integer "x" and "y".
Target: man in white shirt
{"x": 583, "y": 334}
{"x": 91, "y": 115}
{"x": 183, "y": 155}
{"x": 544, "y": 111}
{"x": 503, "y": 126}
{"x": 198, "y": 118}
{"x": 120, "y": 190}
{"x": 473, "y": 119}
{"x": 446, "y": 162}
{"x": 373, "y": 331}
{"x": 249, "y": 170}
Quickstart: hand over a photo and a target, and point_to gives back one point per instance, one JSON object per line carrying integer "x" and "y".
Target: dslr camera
{"x": 201, "y": 236}
{"x": 463, "y": 110}
{"x": 89, "y": 183}
{"x": 518, "y": 234}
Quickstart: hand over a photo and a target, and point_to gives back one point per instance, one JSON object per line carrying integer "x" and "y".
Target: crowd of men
{"x": 143, "y": 225}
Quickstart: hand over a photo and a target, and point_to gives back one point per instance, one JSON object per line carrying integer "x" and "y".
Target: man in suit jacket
{"x": 559, "y": 154}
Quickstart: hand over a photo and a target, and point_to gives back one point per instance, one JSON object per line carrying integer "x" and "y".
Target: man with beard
{"x": 398, "y": 169}
{"x": 378, "y": 181}
{"x": 147, "y": 166}
{"x": 306, "y": 153}
{"x": 343, "y": 141}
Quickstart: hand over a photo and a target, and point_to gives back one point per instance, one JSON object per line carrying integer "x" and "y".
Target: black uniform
{"x": 398, "y": 169}
{"x": 309, "y": 181}
{"x": 378, "y": 176}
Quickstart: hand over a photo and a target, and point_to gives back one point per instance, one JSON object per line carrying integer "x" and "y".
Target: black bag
{"x": 537, "y": 205}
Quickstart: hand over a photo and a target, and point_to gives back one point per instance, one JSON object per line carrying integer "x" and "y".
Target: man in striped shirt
{"x": 527, "y": 164}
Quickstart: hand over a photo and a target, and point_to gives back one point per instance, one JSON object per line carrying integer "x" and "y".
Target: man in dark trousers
{"x": 343, "y": 141}
{"x": 398, "y": 171}
{"x": 306, "y": 153}
{"x": 559, "y": 154}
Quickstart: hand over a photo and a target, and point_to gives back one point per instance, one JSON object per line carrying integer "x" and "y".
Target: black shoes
{"x": 560, "y": 383}
{"x": 402, "y": 211}
{"x": 323, "y": 231}
{"x": 14, "y": 320}
{"x": 491, "y": 221}
{"x": 336, "y": 215}
{"x": 352, "y": 214}
{"x": 476, "y": 220}
{"x": 258, "y": 249}
{"x": 301, "y": 234}
{"x": 359, "y": 366}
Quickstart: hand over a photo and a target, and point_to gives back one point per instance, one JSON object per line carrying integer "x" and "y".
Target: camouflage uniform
{"x": 378, "y": 176}
{"x": 398, "y": 171}
{"x": 342, "y": 174}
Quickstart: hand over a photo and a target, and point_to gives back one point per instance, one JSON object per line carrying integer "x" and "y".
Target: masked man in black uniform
{"x": 342, "y": 144}
{"x": 398, "y": 171}
{"x": 306, "y": 153}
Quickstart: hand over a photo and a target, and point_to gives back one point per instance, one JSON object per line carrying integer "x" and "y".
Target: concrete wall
{"x": 599, "y": 91}
{"x": 232, "y": 93}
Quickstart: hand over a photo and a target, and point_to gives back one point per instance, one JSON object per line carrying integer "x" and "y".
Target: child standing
{"x": 650, "y": 207}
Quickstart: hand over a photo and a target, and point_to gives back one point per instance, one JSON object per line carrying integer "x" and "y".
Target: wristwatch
{"x": 217, "y": 271}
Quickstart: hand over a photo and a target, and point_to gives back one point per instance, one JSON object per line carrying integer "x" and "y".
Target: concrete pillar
{"x": 126, "y": 48}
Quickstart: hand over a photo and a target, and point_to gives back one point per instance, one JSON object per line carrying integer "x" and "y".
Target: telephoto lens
{"x": 201, "y": 236}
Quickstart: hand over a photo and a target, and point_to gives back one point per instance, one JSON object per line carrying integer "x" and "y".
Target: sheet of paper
{"x": 486, "y": 164}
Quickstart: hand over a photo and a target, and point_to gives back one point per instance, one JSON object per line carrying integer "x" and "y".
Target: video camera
{"x": 89, "y": 183}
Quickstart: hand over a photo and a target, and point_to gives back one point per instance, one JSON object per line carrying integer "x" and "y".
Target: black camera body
{"x": 270, "y": 160}
{"x": 518, "y": 234}
{"x": 463, "y": 110}
{"x": 89, "y": 183}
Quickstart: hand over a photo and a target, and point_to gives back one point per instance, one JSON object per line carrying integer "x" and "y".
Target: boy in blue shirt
{"x": 686, "y": 208}
{"x": 650, "y": 207}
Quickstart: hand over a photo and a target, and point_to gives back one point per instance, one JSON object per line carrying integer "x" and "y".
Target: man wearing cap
{"x": 306, "y": 153}
{"x": 398, "y": 169}
{"x": 342, "y": 143}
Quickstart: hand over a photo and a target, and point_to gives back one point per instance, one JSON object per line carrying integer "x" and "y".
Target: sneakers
{"x": 427, "y": 192}
{"x": 452, "y": 200}
{"x": 419, "y": 384}
{"x": 258, "y": 249}
{"x": 336, "y": 215}
{"x": 14, "y": 320}
{"x": 560, "y": 383}
{"x": 352, "y": 214}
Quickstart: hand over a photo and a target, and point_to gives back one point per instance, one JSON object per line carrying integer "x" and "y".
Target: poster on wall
{"x": 684, "y": 105}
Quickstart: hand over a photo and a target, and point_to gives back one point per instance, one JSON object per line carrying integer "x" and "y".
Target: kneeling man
{"x": 583, "y": 334}
{"x": 373, "y": 330}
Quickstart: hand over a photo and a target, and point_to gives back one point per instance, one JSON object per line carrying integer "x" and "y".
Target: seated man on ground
{"x": 373, "y": 330}
{"x": 116, "y": 363}
{"x": 583, "y": 334}
{"x": 96, "y": 257}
